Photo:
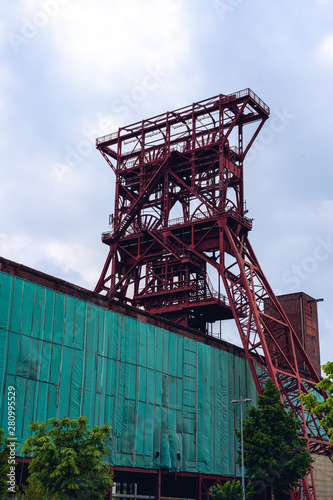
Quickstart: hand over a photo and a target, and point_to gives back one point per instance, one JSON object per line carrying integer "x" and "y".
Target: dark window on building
{"x": 307, "y": 307}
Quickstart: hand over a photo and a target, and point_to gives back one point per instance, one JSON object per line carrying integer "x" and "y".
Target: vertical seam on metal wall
{"x": 61, "y": 360}
{"x": 212, "y": 406}
{"x": 118, "y": 358}
{"x": 114, "y": 362}
{"x": 70, "y": 386}
{"x": 101, "y": 358}
{"x": 40, "y": 357}
{"x": 26, "y": 383}
{"x": 84, "y": 356}
{"x": 183, "y": 399}
{"x": 73, "y": 352}
{"x": 163, "y": 370}
{"x": 197, "y": 408}
{"x": 107, "y": 318}
{"x": 147, "y": 378}
{"x": 18, "y": 341}
{"x": 73, "y": 359}
{"x": 42, "y": 327}
{"x": 155, "y": 365}
{"x": 20, "y": 323}
{"x": 222, "y": 409}
{"x": 234, "y": 412}
{"x": 123, "y": 364}
{"x": 101, "y": 354}
{"x": 137, "y": 395}
{"x": 97, "y": 389}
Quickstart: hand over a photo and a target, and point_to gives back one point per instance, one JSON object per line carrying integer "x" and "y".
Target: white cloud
{"x": 66, "y": 260}
{"x": 130, "y": 35}
{"x": 296, "y": 231}
{"x": 307, "y": 215}
{"x": 71, "y": 257}
{"x": 325, "y": 51}
{"x": 2, "y": 33}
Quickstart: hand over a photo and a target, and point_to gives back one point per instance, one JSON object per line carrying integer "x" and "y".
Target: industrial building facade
{"x": 136, "y": 353}
{"x": 165, "y": 391}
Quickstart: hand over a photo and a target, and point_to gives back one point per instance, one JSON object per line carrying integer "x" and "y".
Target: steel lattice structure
{"x": 188, "y": 163}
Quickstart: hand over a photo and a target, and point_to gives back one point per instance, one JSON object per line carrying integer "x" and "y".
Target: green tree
{"x": 324, "y": 409}
{"x": 32, "y": 491}
{"x": 274, "y": 453}
{"x": 231, "y": 490}
{"x": 66, "y": 458}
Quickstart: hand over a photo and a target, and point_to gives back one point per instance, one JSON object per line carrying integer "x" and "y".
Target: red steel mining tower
{"x": 179, "y": 217}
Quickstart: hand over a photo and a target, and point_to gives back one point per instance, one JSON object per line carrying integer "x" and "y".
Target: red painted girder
{"x": 288, "y": 378}
{"x": 137, "y": 205}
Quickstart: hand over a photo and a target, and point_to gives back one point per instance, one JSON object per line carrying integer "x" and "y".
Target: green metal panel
{"x": 167, "y": 397}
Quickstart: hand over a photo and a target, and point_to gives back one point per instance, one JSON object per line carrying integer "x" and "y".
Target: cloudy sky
{"x": 73, "y": 70}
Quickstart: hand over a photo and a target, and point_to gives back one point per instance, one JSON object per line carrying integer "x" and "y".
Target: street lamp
{"x": 241, "y": 401}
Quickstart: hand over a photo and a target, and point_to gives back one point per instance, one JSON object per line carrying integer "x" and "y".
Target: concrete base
{"x": 323, "y": 477}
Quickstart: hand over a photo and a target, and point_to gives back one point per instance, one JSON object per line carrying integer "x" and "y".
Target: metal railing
{"x": 249, "y": 92}
{"x": 106, "y": 138}
{"x": 207, "y": 215}
{"x": 178, "y": 147}
{"x": 235, "y": 149}
{"x": 180, "y": 220}
{"x": 106, "y": 235}
{"x": 187, "y": 110}
{"x": 165, "y": 302}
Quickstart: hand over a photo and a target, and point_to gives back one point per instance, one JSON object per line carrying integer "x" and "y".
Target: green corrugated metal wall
{"x": 160, "y": 392}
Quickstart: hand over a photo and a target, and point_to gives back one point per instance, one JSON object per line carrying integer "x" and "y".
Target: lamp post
{"x": 241, "y": 401}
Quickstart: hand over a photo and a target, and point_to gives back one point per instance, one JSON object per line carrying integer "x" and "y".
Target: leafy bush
{"x": 232, "y": 490}
{"x": 66, "y": 458}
